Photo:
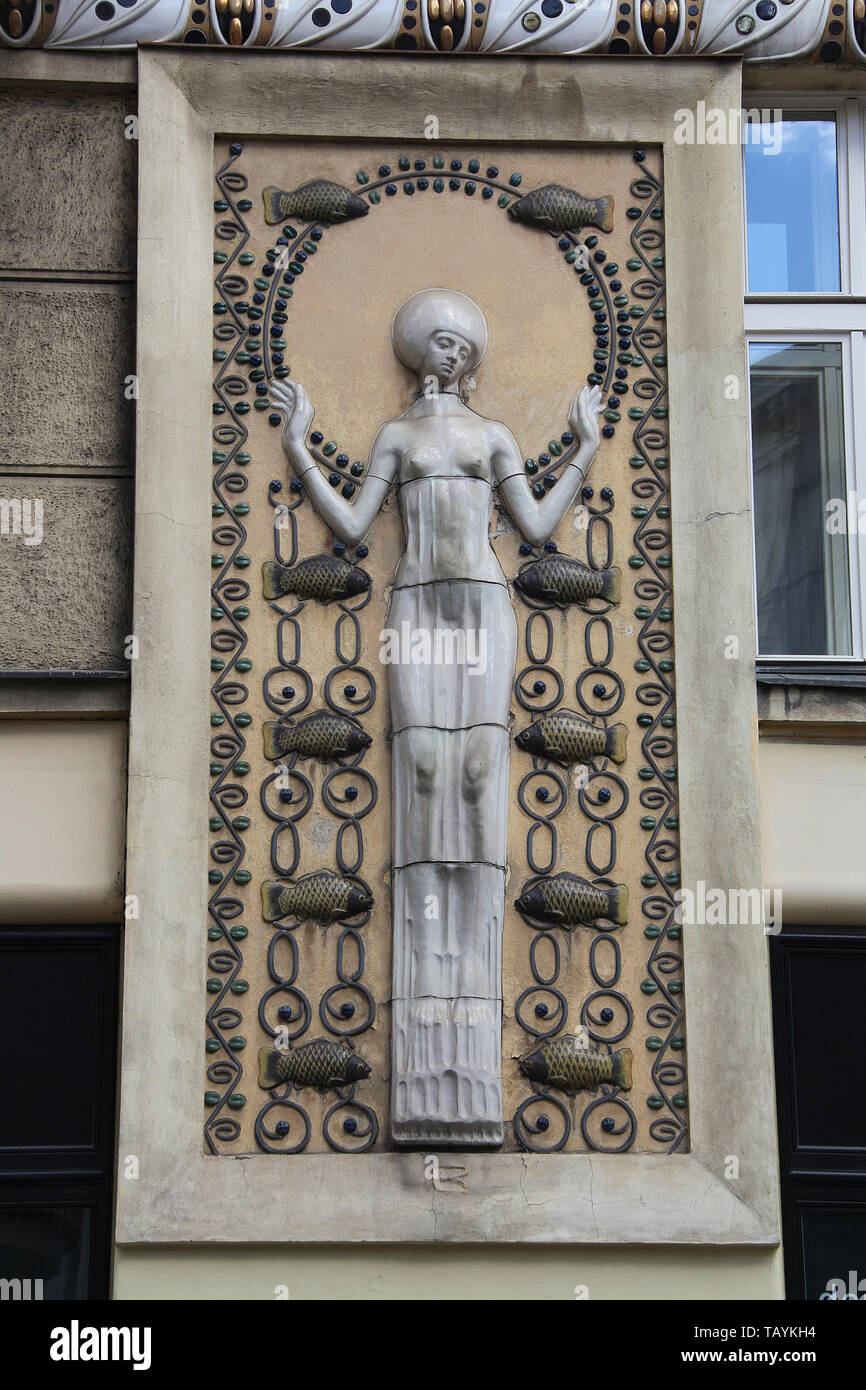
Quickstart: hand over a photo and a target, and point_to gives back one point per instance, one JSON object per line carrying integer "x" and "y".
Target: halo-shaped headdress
{"x": 436, "y": 311}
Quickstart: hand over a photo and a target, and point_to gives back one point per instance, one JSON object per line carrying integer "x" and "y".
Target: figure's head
{"x": 440, "y": 333}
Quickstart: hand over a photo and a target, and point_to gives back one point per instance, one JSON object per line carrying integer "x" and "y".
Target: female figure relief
{"x": 450, "y": 748}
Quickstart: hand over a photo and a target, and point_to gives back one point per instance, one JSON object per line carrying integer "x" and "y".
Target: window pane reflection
{"x": 798, "y": 459}
{"x": 792, "y": 204}
{"x": 47, "y": 1243}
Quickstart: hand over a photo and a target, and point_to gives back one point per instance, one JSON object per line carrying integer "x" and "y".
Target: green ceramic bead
{"x": 241, "y": 822}
{"x": 216, "y": 561}
{"x": 658, "y": 313}
{"x": 236, "y": 1101}
{"x": 243, "y": 721}
{"x": 672, "y": 878}
{"x": 652, "y": 931}
{"x": 216, "y": 823}
{"x": 219, "y": 354}
{"x": 633, "y": 213}
{"x": 596, "y": 304}
{"x": 241, "y": 769}
{"x": 645, "y": 720}
{"x": 246, "y": 258}
{"x": 645, "y": 774}
{"x": 642, "y": 664}
{"x": 678, "y": 1044}
{"x": 329, "y": 448}
{"x": 217, "y": 719}
{"x": 634, "y": 264}
{"x": 212, "y": 1045}
{"x": 531, "y": 466}
{"x": 240, "y": 613}
{"x": 663, "y": 562}
{"x": 659, "y": 360}
{"x": 620, "y": 300}
{"x": 538, "y": 489}
{"x": 290, "y": 233}
{"x": 211, "y": 1098}
{"x": 648, "y": 987}
{"x": 612, "y": 415}
{"x": 571, "y": 257}
{"x": 242, "y": 561}
{"x": 278, "y": 344}
{"x": 261, "y": 403}
{"x": 214, "y": 876}
{"x": 375, "y": 197}
{"x": 660, "y": 412}
{"x": 554, "y": 447}
{"x": 637, "y": 462}
{"x": 220, "y": 257}
{"x": 261, "y": 283}
{"x": 655, "y": 1102}
{"x": 670, "y": 773}
{"x": 242, "y": 457}
{"x": 643, "y": 611}
{"x": 672, "y": 822}
{"x": 214, "y": 986}
{"x": 637, "y": 361}
{"x": 216, "y": 769}
{"x": 636, "y": 311}
{"x": 601, "y": 354}
{"x": 675, "y": 987}
{"x": 237, "y": 1043}
{"x": 282, "y": 372}
{"x": 438, "y": 161}
{"x": 636, "y": 561}
{"x": 661, "y": 462}
{"x": 216, "y": 663}
{"x": 641, "y": 511}
{"x": 648, "y": 822}
{"x": 244, "y": 664}
{"x": 217, "y": 509}
{"x": 663, "y": 512}
{"x": 238, "y": 933}
{"x": 214, "y": 933}
{"x": 675, "y": 933}
{"x": 240, "y": 987}
{"x": 217, "y": 614}
{"x": 649, "y": 880}
{"x": 658, "y": 262}
{"x": 624, "y": 358}
{"x": 667, "y": 721}
{"x": 654, "y": 1044}
{"x": 362, "y": 176}
{"x": 242, "y": 509}
{"x": 680, "y": 1101}
{"x": 258, "y": 374}
{"x": 503, "y": 200}
{"x": 636, "y": 413}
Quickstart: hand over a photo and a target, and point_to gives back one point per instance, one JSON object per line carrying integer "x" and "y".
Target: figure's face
{"x": 447, "y": 358}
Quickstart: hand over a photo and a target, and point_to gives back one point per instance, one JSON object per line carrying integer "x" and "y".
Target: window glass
{"x": 799, "y": 477}
{"x": 51, "y": 1244}
{"x": 792, "y": 204}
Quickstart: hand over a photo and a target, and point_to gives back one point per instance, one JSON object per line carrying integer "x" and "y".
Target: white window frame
{"x": 829, "y": 316}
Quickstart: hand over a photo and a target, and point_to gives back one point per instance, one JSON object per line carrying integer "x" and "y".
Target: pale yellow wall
{"x": 425, "y": 1273}
{"x": 62, "y": 820}
{"x": 814, "y": 829}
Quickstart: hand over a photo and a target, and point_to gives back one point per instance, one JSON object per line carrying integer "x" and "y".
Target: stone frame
{"x": 181, "y": 1194}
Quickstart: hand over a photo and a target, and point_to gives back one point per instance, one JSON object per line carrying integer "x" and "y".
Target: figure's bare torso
{"x": 445, "y": 498}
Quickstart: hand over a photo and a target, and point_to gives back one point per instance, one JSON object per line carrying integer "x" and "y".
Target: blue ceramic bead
{"x": 277, "y": 359}
{"x": 454, "y": 184}
{"x": 550, "y": 547}
{"x": 275, "y": 419}
{"x": 542, "y": 1122}
{"x": 276, "y": 485}
{"x": 390, "y": 189}
{"x": 604, "y": 794}
{"x": 606, "y": 492}
{"x": 384, "y": 170}
{"x": 616, "y": 286}
{"x": 286, "y": 795}
{"x": 362, "y": 551}
{"x": 599, "y": 691}
{"x": 599, "y": 255}
{"x": 295, "y": 485}
{"x": 469, "y": 188}
{"x": 608, "y": 431}
{"x": 423, "y": 185}
{"x": 541, "y": 1010}
{"x": 288, "y": 692}
{"x": 339, "y": 548}
{"x": 351, "y": 792}
{"x": 538, "y": 687}
{"x": 350, "y": 1124}
{"x": 258, "y": 298}
{"x": 281, "y": 304}
{"x": 567, "y": 437}
{"x": 456, "y": 164}
{"x": 281, "y": 1128}
{"x": 285, "y": 1012}
{"x": 334, "y": 479}
{"x": 640, "y": 156}
{"x": 473, "y": 166}
{"x": 267, "y": 270}
{"x": 487, "y": 192}
{"x": 587, "y": 493}
{"x": 235, "y": 149}
{"x": 525, "y": 549}
{"x": 341, "y": 460}
{"x": 346, "y": 1010}
{"x": 255, "y": 360}
{"x": 492, "y": 172}
{"x": 607, "y": 1124}
{"x": 409, "y": 187}
{"x": 316, "y": 437}
{"x": 420, "y": 164}
{"x": 607, "y": 1015}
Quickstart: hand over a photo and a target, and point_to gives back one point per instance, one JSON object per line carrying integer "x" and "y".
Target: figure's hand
{"x": 583, "y": 415}
{"x": 291, "y": 398}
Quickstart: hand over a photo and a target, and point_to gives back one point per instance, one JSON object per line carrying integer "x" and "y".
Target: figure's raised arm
{"x": 538, "y": 518}
{"x": 349, "y": 521}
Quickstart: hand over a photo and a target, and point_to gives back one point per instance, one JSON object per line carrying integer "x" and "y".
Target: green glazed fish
{"x": 572, "y": 1067}
{"x": 324, "y": 896}
{"x": 562, "y": 580}
{"x": 319, "y": 735}
{"x": 320, "y": 200}
{"x": 322, "y": 1063}
{"x": 560, "y": 209}
{"x": 566, "y": 738}
{"x": 569, "y": 901}
{"x": 321, "y": 577}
